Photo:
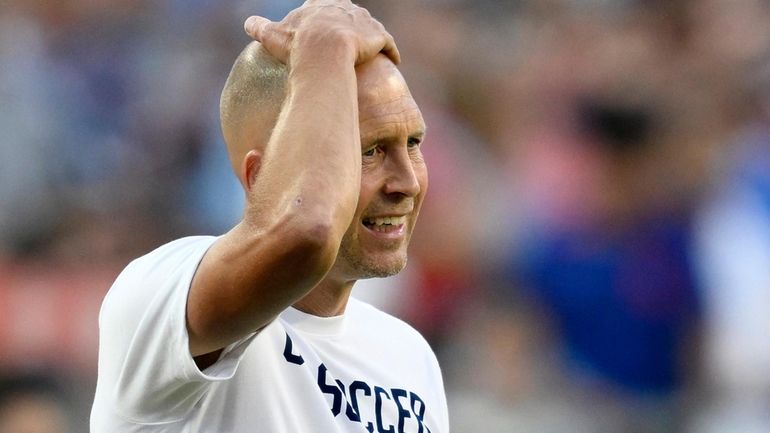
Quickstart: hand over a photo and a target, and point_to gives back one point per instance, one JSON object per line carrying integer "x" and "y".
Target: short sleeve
{"x": 144, "y": 345}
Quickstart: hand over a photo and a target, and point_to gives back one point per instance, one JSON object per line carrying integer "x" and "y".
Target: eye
{"x": 413, "y": 142}
{"x": 371, "y": 151}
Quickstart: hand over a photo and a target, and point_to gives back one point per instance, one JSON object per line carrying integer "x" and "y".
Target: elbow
{"x": 304, "y": 237}
{"x": 315, "y": 238}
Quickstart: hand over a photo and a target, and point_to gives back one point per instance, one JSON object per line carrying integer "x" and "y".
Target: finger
{"x": 391, "y": 50}
{"x": 255, "y": 27}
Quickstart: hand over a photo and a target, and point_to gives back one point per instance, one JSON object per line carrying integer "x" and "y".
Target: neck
{"x": 327, "y": 299}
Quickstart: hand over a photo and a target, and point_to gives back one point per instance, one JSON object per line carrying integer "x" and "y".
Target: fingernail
{"x": 249, "y": 24}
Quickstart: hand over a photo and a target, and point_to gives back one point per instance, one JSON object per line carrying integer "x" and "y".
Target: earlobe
{"x": 250, "y": 166}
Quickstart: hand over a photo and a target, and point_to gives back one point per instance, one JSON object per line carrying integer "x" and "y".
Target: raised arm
{"x": 302, "y": 187}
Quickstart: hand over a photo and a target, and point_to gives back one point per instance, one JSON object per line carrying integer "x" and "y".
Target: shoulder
{"x": 168, "y": 265}
{"x": 167, "y": 257}
{"x": 175, "y": 250}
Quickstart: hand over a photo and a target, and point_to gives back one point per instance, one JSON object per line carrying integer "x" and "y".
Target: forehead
{"x": 386, "y": 107}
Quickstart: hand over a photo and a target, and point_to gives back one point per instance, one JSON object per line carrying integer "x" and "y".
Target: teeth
{"x": 386, "y": 221}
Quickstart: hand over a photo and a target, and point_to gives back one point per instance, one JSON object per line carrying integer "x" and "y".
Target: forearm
{"x": 312, "y": 162}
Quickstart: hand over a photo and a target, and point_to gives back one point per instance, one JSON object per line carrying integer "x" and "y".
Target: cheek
{"x": 370, "y": 184}
{"x": 422, "y": 178}
{"x": 421, "y": 172}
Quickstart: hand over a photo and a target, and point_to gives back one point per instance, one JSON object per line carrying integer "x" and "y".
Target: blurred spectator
{"x": 605, "y": 244}
{"x": 32, "y": 404}
{"x": 620, "y": 287}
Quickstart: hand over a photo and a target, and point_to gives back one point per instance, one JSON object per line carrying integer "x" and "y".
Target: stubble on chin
{"x": 361, "y": 266}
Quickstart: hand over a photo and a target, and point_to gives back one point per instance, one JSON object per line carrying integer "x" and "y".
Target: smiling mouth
{"x": 385, "y": 224}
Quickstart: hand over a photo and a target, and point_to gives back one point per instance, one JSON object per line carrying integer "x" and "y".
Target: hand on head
{"x": 319, "y": 25}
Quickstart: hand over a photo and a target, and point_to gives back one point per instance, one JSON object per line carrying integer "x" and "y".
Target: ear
{"x": 250, "y": 166}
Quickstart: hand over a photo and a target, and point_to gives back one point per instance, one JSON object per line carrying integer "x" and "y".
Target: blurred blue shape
{"x": 624, "y": 301}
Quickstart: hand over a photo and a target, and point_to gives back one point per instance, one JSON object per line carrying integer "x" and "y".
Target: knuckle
{"x": 345, "y": 34}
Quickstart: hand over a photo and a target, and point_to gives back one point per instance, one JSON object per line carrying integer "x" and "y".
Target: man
{"x": 254, "y": 331}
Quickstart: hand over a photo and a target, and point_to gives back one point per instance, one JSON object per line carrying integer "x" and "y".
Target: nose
{"x": 402, "y": 174}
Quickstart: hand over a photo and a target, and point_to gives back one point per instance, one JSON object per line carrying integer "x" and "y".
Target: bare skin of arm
{"x": 302, "y": 187}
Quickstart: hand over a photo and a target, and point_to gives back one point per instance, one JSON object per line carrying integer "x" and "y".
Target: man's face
{"x": 394, "y": 177}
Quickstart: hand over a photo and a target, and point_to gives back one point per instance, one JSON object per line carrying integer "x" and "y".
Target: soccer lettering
{"x": 379, "y": 392}
{"x": 352, "y": 410}
{"x": 407, "y": 404}
{"x": 334, "y": 390}
{"x": 288, "y": 355}
{"x": 402, "y": 413}
{"x": 367, "y": 391}
{"x": 419, "y": 414}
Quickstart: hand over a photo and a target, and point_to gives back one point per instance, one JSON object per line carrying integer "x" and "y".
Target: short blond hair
{"x": 254, "y": 92}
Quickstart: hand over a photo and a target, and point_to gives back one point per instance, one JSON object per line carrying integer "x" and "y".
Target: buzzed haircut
{"x": 255, "y": 79}
{"x": 254, "y": 92}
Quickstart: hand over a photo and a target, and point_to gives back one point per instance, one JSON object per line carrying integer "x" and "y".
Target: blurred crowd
{"x": 593, "y": 254}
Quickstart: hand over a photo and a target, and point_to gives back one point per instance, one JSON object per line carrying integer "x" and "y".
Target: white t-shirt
{"x": 364, "y": 371}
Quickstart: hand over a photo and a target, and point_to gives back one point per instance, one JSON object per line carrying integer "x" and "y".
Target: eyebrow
{"x": 419, "y": 132}
{"x": 384, "y": 135}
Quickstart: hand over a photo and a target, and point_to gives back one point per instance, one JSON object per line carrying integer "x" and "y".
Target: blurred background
{"x": 593, "y": 255}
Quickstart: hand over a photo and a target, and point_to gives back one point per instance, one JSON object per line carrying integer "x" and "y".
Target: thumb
{"x": 255, "y": 26}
